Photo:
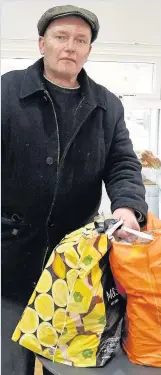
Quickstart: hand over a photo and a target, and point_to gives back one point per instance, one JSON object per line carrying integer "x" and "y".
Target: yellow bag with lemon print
{"x": 75, "y": 313}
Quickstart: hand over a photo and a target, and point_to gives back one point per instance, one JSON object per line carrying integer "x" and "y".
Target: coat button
{"x": 49, "y": 160}
{"x": 15, "y": 232}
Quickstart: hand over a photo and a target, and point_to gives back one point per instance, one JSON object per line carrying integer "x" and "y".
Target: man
{"x": 62, "y": 135}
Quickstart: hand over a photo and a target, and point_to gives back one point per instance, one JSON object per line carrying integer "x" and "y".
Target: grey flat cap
{"x": 68, "y": 10}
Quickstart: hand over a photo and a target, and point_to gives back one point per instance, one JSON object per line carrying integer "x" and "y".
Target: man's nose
{"x": 70, "y": 45}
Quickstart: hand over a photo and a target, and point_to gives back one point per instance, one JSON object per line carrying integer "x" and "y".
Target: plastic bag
{"x": 137, "y": 269}
{"x": 75, "y": 313}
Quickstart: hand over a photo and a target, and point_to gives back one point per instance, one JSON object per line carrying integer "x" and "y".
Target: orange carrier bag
{"x": 137, "y": 268}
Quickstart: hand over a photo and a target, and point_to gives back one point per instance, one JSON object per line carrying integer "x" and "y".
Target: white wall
{"x": 122, "y": 21}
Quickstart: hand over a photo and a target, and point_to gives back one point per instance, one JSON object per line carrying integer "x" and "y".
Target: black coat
{"x": 44, "y": 197}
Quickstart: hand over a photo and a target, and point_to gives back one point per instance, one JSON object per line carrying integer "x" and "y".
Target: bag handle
{"x": 120, "y": 225}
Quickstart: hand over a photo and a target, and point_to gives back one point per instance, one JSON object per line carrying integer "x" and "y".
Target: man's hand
{"x": 129, "y": 219}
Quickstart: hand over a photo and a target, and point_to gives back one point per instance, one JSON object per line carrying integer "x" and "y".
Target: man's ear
{"x": 41, "y": 45}
{"x": 90, "y": 48}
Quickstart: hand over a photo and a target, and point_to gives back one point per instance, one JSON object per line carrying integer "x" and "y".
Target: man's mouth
{"x": 68, "y": 59}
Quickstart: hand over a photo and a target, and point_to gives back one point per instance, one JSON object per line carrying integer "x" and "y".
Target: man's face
{"x": 66, "y": 45}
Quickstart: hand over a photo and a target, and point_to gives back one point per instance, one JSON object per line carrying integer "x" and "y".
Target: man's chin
{"x": 68, "y": 72}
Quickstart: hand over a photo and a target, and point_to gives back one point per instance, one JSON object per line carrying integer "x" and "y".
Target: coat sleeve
{"x": 122, "y": 173}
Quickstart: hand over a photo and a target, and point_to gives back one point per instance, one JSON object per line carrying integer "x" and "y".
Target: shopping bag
{"x": 75, "y": 313}
{"x": 137, "y": 270}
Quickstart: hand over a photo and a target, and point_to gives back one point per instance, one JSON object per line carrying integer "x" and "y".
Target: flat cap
{"x": 68, "y": 10}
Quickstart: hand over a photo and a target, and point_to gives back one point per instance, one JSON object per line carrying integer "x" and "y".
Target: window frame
{"x": 137, "y": 53}
{"x": 135, "y": 59}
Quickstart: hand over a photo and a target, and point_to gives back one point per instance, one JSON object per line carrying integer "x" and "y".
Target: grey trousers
{"x": 15, "y": 360}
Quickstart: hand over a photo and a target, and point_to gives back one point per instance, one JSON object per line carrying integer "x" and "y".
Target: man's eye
{"x": 81, "y": 41}
{"x": 60, "y": 37}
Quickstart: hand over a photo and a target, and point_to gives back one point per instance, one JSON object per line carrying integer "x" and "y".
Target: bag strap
{"x": 120, "y": 225}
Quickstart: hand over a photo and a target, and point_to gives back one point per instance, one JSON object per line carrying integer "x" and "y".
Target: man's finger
{"x": 125, "y": 236}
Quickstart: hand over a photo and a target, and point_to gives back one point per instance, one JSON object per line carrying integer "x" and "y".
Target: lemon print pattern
{"x": 95, "y": 321}
{"x": 103, "y": 243}
{"x": 72, "y": 258}
{"x": 74, "y": 236}
{"x": 47, "y": 335}
{"x": 45, "y": 282}
{"x": 90, "y": 257}
{"x": 16, "y": 335}
{"x": 80, "y": 298}
{"x": 82, "y": 350}
{"x": 47, "y": 354}
{"x": 52, "y": 321}
{"x": 58, "y": 267}
{"x": 83, "y": 274}
{"x": 71, "y": 278}
{"x": 63, "y": 247}
{"x": 81, "y": 244}
{"x": 98, "y": 291}
{"x": 30, "y": 341}
{"x": 29, "y": 321}
{"x": 32, "y": 298}
{"x": 96, "y": 274}
{"x": 58, "y": 321}
{"x": 60, "y": 293}
{"x": 44, "y": 305}
{"x": 90, "y": 226}
{"x": 58, "y": 357}
{"x": 51, "y": 259}
{"x": 69, "y": 331}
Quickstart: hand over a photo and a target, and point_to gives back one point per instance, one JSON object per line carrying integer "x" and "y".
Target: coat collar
{"x": 33, "y": 83}
{"x": 33, "y": 80}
